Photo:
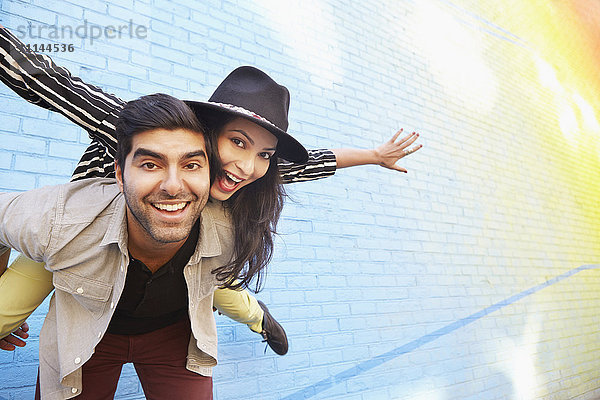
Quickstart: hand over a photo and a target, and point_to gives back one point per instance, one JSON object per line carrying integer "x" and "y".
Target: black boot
{"x": 273, "y": 333}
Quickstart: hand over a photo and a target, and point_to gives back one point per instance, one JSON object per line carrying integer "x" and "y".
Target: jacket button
{"x": 80, "y": 290}
{"x": 73, "y": 390}
{"x": 112, "y": 305}
{"x": 77, "y": 360}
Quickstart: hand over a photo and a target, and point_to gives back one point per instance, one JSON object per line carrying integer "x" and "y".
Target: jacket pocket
{"x": 91, "y": 294}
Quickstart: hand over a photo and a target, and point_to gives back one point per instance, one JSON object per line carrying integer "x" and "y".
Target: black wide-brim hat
{"x": 249, "y": 93}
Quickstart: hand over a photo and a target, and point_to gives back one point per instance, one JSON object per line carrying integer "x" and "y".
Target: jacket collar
{"x": 116, "y": 233}
{"x": 209, "y": 244}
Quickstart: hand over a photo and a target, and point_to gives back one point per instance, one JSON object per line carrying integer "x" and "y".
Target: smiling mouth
{"x": 232, "y": 177}
{"x": 170, "y": 207}
{"x": 229, "y": 182}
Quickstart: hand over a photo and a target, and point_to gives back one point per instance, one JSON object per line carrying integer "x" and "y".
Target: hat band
{"x": 242, "y": 110}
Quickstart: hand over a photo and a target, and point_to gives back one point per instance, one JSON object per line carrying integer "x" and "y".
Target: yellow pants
{"x": 26, "y": 283}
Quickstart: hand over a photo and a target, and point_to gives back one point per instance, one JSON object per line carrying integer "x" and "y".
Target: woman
{"x": 54, "y": 88}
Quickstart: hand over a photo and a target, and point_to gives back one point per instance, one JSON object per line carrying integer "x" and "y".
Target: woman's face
{"x": 245, "y": 149}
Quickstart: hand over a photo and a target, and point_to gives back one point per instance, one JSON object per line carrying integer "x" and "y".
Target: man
{"x": 92, "y": 233}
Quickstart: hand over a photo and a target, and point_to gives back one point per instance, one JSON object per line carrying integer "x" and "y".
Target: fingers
{"x": 408, "y": 140}
{"x": 15, "y": 341}
{"x": 9, "y": 343}
{"x": 4, "y": 345}
{"x": 21, "y": 333}
{"x": 395, "y": 150}
{"x": 398, "y": 168}
{"x": 393, "y": 139}
{"x": 410, "y": 151}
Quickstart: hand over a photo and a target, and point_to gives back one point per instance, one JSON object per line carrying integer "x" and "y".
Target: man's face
{"x": 166, "y": 182}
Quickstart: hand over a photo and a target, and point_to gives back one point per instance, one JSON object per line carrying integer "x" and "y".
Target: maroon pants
{"x": 159, "y": 359}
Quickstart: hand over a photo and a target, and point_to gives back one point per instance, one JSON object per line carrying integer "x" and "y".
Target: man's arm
{"x": 26, "y": 221}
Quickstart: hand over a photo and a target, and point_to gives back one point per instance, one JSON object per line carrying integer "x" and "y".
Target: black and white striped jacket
{"x": 38, "y": 80}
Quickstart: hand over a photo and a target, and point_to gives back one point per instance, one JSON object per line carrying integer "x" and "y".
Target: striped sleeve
{"x": 321, "y": 164}
{"x": 38, "y": 80}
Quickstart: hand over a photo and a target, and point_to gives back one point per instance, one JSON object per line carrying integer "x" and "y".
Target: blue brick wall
{"x": 459, "y": 280}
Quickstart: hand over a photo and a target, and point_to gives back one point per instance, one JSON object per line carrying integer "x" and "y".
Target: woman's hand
{"x": 10, "y": 342}
{"x": 386, "y": 155}
{"x": 390, "y": 152}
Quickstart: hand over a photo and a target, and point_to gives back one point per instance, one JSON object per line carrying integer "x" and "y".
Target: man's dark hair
{"x": 159, "y": 111}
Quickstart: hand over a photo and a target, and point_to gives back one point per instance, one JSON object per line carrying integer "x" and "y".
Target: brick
{"x": 71, "y": 10}
{"x": 43, "y": 165}
{"x": 173, "y": 8}
{"x": 163, "y": 52}
{"x": 78, "y": 57}
{"x": 126, "y": 69}
{"x": 17, "y": 106}
{"x": 168, "y": 80}
{"x": 13, "y": 180}
{"x": 147, "y": 87}
{"x": 29, "y": 353}
{"x": 19, "y": 376}
{"x": 248, "y": 387}
{"x": 5, "y": 159}
{"x": 66, "y": 150}
{"x": 47, "y": 180}
{"x": 39, "y": 15}
{"x": 24, "y": 144}
{"x": 10, "y": 123}
{"x": 146, "y": 61}
{"x": 276, "y": 382}
{"x": 318, "y": 358}
{"x": 7, "y": 357}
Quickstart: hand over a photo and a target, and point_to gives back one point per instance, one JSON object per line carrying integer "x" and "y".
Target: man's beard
{"x": 161, "y": 231}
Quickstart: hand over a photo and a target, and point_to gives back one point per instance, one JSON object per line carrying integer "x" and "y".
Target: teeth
{"x": 170, "y": 207}
{"x": 233, "y": 178}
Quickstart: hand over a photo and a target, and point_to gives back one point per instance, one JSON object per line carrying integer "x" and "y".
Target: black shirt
{"x": 153, "y": 301}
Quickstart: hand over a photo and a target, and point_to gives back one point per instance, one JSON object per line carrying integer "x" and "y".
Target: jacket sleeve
{"x": 321, "y": 164}
{"x": 27, "y": 220}
{"x": 38, "y": 80}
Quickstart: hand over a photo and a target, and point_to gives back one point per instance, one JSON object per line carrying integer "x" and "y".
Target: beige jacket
{"x": 79, "y": 230}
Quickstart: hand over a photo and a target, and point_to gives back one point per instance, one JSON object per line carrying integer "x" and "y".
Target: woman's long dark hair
{"x": 254, "y": 211}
